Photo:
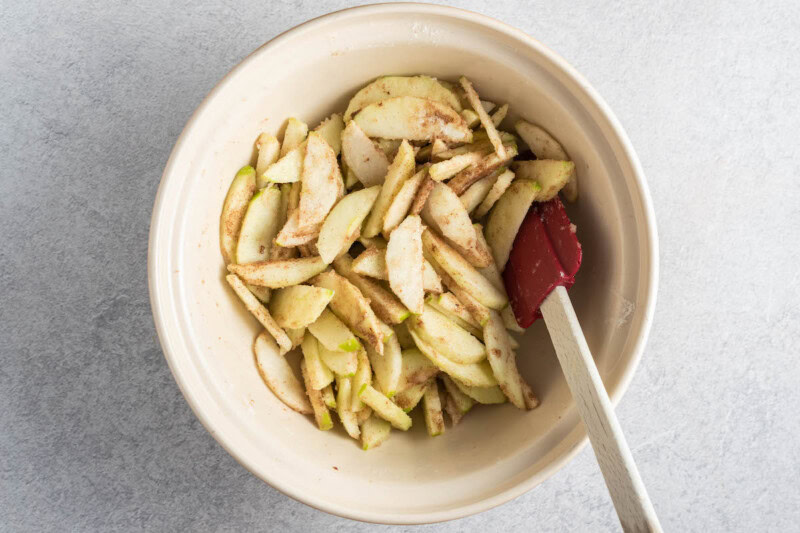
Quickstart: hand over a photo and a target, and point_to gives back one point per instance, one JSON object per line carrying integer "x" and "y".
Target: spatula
{"x": 544, "y": 259}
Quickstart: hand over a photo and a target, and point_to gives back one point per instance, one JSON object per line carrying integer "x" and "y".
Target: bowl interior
{"x": 497, "y": 451}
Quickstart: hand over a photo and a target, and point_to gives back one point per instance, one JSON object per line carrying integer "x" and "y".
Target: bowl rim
{"x": 647, "y": 300}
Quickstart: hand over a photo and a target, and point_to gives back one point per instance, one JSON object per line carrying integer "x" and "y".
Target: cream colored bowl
{"x": 497, "y": 452}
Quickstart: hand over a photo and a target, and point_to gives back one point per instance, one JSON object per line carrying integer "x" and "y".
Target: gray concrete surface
{"x": 94, "y": 434}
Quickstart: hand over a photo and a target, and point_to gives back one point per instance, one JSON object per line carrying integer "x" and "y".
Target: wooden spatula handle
{"x": 635, "y": 511}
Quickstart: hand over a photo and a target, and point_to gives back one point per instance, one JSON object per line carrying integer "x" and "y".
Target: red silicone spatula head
{"x": 546, "y": 253}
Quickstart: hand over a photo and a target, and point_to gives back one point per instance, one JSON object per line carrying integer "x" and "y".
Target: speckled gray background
{"x": 94, "y": 434}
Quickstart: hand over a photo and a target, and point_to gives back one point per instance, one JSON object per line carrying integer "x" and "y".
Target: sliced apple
{"x": 486, "y": 121}
{"x": 404, "y": 263}
{"x": 277, "y": 274}
{"x": 344, "y": 389}
{"x": 402, "y": 201}
{"x": 389, "y": 146}
{"x": 319, "y": 375}
{"x": 550, "y": 174}
{"x": 544, "y": 146}
{"x": 321, "y": 414}
{"x": 490, "y": 271}
{"x": 531, "y": 401}
{"x": 233, "y": 211}
{"x": 260, "y": 312}
{"x": 502, "y": 183}
{"x": 269, "y": 150}
{"x": 328, "y": 396}
{"x": 456, "y": 313}
{"x": 462, "y": 402}
{"x": 432, "y": 410}
{"x": 403, "y": 337}
{"x": 399, "y": 171}
{"x": 445, "y": 213}
{"x": 363, "y": 375}
{"x": 416, "y": 369}
{"x": 450, "y": 167}
{"x": 510, "y": 321}
{"x": 507, "y": 216}
{"x": 423, "y": 194}
{"x": 470, "y": 117}
{"x": 293, "y": 234}
{"x": 413, "y": 119}
{"x": 464, "y": 179}
{"x": 278, "y": 375}
{"x": 374, "y": 432}
{"x": 410, "y": 397}
{"x": 333, "y": 334}
{"x": 485, "y": 395}
{"x": 295, "y": 133}
{"x": 372, "y": 262}
{"x": 321, "y": 181}
{"x": 393, "y": 86}
{"x": 499, "y": 115}
{"x": 288, "y": 168}
{"x": 296, "y": 335}
{"x": 475, "y": 374}
{"x": 367, "y": 161}
{"x": 446, "y": 337}
{"x": 383, "y": 302}
{"x": 259, "y": 226}
{"x": 384, "y": 407}
{"x": 387, "y": 367}
{"x": 502, "y": 359}
{"x": 330, "y": 130}
{"x": 463, "y": 273}
{"x": 350, "y": 305}
{"x": 299, "y": 305}
{"x": 343, "y": 223}
{"x": 341, "y": 363}
{"x": 478, "y": 311}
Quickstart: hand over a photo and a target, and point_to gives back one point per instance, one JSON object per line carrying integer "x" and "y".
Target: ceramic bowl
{"x": 496, "y": 452}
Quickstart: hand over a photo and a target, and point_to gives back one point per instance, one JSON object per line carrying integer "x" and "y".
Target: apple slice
{"x": 345, "y": 392}
{"x": 296, "y": 335}
{"x": 321, "y": 414}
{"x": 462, "y": 402}
{"x": 321, "y": 181}
{"x": 385, "y": 304}
{"x": 507, "y": 216}
{"x": 319, "y": 375}
{"x": 260, "y": 312}
{"x": 474, "y": 195}
{"x": 445, "y": 213}
{"x": 402, "y": 201}
{"x": 531, "y": 401}
{"x": 446, "y": 337}
{"x": 551, "y": 175}
{"x": 399, "y": 171}
{"x": 372, "y": 262}
{"x": 461, "y": 318}
{"x": 502, "y": 359}
{"x": 292, "y": 234}
{"x": 423, "y": 194}
{"x": 478, "y": 311}
{"x": 416, "y": 368}
{"x": 475, "y": 374}
{"x": 343, "y": 223}
{"x": 404, "y": 263}
{"x": 259, "y": 226}
{"x": 485, "y": 395}
{"x": 342, "y": 364}
{"x": 403, "y": 337}
{"x": 363, "y": 375}
{"x": 413, "y": 119}
{"x": 490, "y": 271}
{"x": 330, "y": 130}
{"x": 384, "y": 407}
{"x": 295, "y": 133}
{"x": 277, "y": 274}
{"x": 392, "y": 86}
{"x": 387, "y": 367}
{"x": 432, "y": 409}
{"x": 299, "y": 305}
{"x": 269, "y": 150}
{"x": 463, "y": 273}
{"x": 450, "y": 167}
{"x": 278, "y": 375}
{"x": 510, "y": 321}
{"x": 374, "y": 432}
{"x": 367, "y": 161}
{"x": 333, "y": 334}
{"x": 486, "y": 121}
{"x": 233, "y": 210}
{"x": 464, "y": 179}
{"x": 499, "y": 115}
{"x": 407, "y": 399}
{"x": 544, "y": 146}
{"x": 502, "y": 183}
{"x": 288, "y": 168}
